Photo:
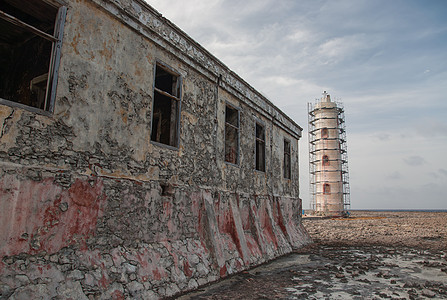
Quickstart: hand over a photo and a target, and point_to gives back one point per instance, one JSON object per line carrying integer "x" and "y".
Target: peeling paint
{"x": 36, "y": 221}
{"x": 87, "y": 198}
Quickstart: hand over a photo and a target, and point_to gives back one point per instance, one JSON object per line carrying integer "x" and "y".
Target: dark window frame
{"x": 287, "y": 161}
{"x": 325, "y": 161}
{"x": 228, "y": 157}
{"x": 324, "y": 133}
{"x": 175, "y": 99}
{"x": 260, "y": 144}
{"x": 326, "y": 189}
{"x": 51, "y": 77}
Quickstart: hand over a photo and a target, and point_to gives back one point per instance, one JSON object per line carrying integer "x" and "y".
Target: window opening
{"x": 326, "y": 189}
{"x": 231, "y": 135}
{"x": 287, "y": 163}
{"x": 166, "y": 106}
{"x": 324, "y": 133}
{"x": 325, "y": 160}
{"x": 30, "y": 41}
{"x": 260, "y": 148}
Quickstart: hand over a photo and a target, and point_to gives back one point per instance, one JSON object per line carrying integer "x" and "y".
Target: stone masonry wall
{"x": 91, "y": 209}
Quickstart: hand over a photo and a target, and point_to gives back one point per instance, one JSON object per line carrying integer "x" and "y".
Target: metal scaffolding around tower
{"x": 328, "y": 158}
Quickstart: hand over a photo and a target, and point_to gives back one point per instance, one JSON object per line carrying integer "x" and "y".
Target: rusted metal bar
{"x": 28, "y": 27}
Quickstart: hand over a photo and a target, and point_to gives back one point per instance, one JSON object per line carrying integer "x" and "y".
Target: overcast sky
{"x": 385, "y": 60}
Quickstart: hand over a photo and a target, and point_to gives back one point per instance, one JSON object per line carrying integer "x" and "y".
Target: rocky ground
{"x": 371, "y": 255}
{"x": 421, "y": 230}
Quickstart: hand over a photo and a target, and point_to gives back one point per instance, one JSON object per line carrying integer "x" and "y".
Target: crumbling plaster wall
{"x": 82, "y": 212}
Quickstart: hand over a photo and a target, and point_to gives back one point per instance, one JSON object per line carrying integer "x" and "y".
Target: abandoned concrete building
{"x": 133, "y": 163}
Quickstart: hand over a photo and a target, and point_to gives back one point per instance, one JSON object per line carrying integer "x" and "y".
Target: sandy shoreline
{"x": 414, "y": 229}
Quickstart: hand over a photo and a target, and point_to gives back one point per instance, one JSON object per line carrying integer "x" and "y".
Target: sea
{"x": 402, "y": 210}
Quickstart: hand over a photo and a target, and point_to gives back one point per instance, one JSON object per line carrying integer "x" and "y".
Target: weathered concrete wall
{"x": 89, "y": 207}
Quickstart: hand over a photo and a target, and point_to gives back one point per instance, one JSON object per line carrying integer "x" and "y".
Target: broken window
{"x": 260, "y": 148}
{"x": 30, "y": 41}
{"x": 287, "y": 163}
{"x": 324, "y": 133}
{"x": 166, "y": 107}
{"x": 231, "y": 135}
{"x": 326, "y": 189}
{"x": 325, "y": 160}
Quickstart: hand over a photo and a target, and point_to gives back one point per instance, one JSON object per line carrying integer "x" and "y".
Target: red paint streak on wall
{"x": 279, "y": 219}
{"x": 142, "y": 260}
{"x": 173, "y": 254}
{"x": 168, "y": 212}
{"x": 230, "y": 227}
{"x": 246, "y": 218}
{"x": 267, "y": 227}
{"x": 117, "y": 295}
{"x": 223, "y": 271}
{"x": 148, "y": 258}
{"x": 42, "y": 216}
{"x": 227, "y": 226}
{"x": 253, "y": 246}
{"x": 199, "y": 211}
{"x": 104, "y": 281}
{"x": 156, "y": 274}
{"x": 82, "y": 193}
{"x": 187, "y": 268}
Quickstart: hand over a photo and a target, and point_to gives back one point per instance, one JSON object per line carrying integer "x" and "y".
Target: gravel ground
{"x": 371, "y": 255}
{"x": 422, "y": 230}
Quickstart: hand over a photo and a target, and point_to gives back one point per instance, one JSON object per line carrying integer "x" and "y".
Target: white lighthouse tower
{"x": 328, "y": 158}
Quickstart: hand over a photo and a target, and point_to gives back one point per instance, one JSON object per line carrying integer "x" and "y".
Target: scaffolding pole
{"x": 314, "y": 160}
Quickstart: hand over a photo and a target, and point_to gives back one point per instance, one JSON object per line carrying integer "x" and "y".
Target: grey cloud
{"x": 415, "y": 160}
{"x": 382, "y": 136}
{"x": 395, "y": 176}
{"x": 434, "y": 175}
{"x": 360, "y": 51}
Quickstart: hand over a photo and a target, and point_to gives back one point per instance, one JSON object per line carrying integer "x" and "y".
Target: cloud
{"x": 395, "y": 176}
{"x": 382, "y": 136}
{"x": 434, "y": 175}
{"x": 384, "y": 59}
{"x": 297, "y": 36}
{"x": 415, "y": 160}
{"x": 341, "y": 48}
{"x": 431, "y": 127}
